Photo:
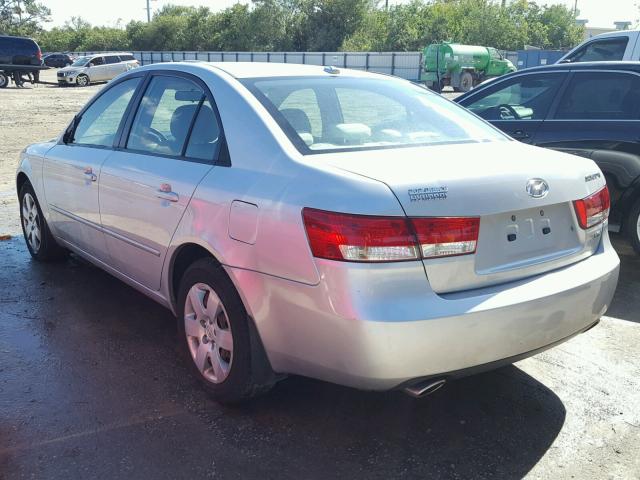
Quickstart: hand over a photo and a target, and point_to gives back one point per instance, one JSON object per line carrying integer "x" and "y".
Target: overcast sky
{"x": 600, "y": 13}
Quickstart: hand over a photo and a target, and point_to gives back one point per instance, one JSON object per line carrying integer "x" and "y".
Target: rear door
{"x": 519, "y": 105}
{"x": 172, "y": 142}
{"x": 598, "y": 117}
{"x": 72, "y": 171}
{"x": 114, "y": 66}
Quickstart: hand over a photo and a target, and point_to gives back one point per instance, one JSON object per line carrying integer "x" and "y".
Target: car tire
{"x": 633, "y": 226}
{"x": 215, "y": 335}
{"x": 4, "y": 80}
{"x": 40, "y": 242}
{"x": 466, "y": 81}
{"x": 82, "y": 80}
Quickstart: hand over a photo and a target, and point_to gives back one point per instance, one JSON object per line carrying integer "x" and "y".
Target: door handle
{"x": 520, "y": 134}
{"x": 89, "y": 175}
{"x": 165, "y": 193}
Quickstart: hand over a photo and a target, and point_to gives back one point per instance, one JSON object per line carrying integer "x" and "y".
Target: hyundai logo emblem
{"x": 537, "y": 187}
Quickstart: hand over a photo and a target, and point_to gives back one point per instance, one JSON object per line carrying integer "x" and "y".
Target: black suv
{"x": 19, "y": 51}
{"x": 587, "y": 109}
{"x": 58, "y": 60}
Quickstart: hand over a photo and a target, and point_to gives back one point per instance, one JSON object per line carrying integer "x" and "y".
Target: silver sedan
{"x": 336, "y": 224}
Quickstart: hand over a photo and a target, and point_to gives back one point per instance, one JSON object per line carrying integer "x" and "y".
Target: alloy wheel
{"x": 208, "y": 333}
{"x": 31, "y": 222}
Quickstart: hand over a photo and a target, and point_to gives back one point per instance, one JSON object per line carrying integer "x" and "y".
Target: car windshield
{"x": 81, "y": 62}
{"x": 322, "y": 114}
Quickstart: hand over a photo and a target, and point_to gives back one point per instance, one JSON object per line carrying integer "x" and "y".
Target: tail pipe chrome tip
{"x": 425, "y": 388}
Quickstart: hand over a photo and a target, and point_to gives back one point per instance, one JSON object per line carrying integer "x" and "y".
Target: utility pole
{"x": 575, "y": 8}
{"x": 148, "y": 9}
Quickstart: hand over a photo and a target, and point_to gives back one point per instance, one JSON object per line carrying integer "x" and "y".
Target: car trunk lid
{"x": 520, "y": 235}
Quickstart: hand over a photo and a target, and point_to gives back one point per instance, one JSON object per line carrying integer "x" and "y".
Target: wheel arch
{"x": 182, "y": 257}
{"x": 21, "y": 179}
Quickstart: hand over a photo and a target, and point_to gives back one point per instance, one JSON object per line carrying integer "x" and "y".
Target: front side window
{"x": 165, "y": 115}
{"x": 323, "y": 114}
{"x": 522, "y": 98}
{"x": 97, "y": 61}
{"x": 601, "y": 96}
{"x": 100, "y": 122}
{"x": 81, "y": 61}
{"x": 601, "y": 51}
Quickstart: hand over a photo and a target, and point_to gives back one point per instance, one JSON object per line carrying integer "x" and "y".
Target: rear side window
{"x": 521, "y": 98}
{"x": 112, "y": 59}
{"x": 205, "y": 135}
{"x": 100, "y": 122}
{"x": 601, "y": 96}
{"x": 165, "y": 115}
{"x": 601, "y": 50}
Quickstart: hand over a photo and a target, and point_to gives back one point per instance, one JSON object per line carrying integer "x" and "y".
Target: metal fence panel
{"x": 402, "y": 64}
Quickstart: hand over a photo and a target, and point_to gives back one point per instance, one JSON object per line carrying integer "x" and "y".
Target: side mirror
{"x": 71, "y": 130}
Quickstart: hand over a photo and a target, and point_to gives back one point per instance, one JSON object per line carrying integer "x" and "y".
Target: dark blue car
{"x": 587, "y": 109}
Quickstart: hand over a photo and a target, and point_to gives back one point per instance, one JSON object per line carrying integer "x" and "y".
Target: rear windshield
{"x": 325, "y": 114}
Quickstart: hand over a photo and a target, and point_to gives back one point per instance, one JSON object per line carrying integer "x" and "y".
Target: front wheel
{"x": 215, "y": 335}
{"x": 40, "y": 242}
{"x": 633, "y": 226}
{"x": 82, "y": 80}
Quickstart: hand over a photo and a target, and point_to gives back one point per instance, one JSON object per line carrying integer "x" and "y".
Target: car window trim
{"x": 122, "y": 120}
{"x": 553, "y": 111}
{"x": 221, "y": 156}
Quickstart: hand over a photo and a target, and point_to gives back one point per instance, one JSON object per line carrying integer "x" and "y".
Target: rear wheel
{"x": 633, "y": 226}
{"x": 466, "y": 81}
{"x": 40, "y": 242}
{"x": 4, "y": 80}
{"x": 214, "y": 333}
{"x": 82, "y": 80}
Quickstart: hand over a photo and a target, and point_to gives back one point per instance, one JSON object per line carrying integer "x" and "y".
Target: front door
{"x": 146, "y": 186}
{"x": 72, "y": 170}
{"x": 517, "y": 106}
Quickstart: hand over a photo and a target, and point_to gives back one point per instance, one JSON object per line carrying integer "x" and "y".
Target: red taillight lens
{"x": 39, "y": 54}
{"x": 361, "y": 238}
{"x": 446, "y": 236}
{"x": 593, "y": 209}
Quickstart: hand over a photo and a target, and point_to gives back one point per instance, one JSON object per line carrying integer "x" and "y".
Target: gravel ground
{"x": 91, "y": 386}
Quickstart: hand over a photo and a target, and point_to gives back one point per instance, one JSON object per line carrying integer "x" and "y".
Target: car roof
{"x": 618, "y": 65}
{"x": 264, "y": 69}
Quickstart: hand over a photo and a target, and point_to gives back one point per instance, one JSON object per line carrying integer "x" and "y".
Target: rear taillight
{"x": 446, "y": 236}
{"x": 362, "y": 238}
{"x": 39, "y": 54}
{"x": 593, "y": 209}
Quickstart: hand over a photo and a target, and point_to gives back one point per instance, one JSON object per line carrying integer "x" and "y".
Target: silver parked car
{"x": 96, "y": 68}
{"x": 336, "y": 224}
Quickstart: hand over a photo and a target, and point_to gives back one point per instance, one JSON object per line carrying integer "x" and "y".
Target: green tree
{"x": 22, "y": 17}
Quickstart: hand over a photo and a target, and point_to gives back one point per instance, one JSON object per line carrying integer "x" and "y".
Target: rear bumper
{"x": 381, "y": 326}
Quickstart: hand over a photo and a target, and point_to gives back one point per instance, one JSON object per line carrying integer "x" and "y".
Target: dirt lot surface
{"x": 91, "y": 385}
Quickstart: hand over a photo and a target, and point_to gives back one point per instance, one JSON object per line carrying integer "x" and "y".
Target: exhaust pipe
{"x": 425, "y": 388}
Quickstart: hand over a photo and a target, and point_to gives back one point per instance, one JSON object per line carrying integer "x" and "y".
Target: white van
{"x": 100, "y": 67}
{"x": 611, "y": 46}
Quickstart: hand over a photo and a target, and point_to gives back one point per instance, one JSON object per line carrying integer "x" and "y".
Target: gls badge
{"x": 537, "y": 187}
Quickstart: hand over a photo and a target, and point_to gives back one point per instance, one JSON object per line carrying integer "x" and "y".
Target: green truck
{"x": 462, "y": 66}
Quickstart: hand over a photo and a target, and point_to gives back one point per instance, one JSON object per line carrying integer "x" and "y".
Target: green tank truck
{"x": 462, "y": 66}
